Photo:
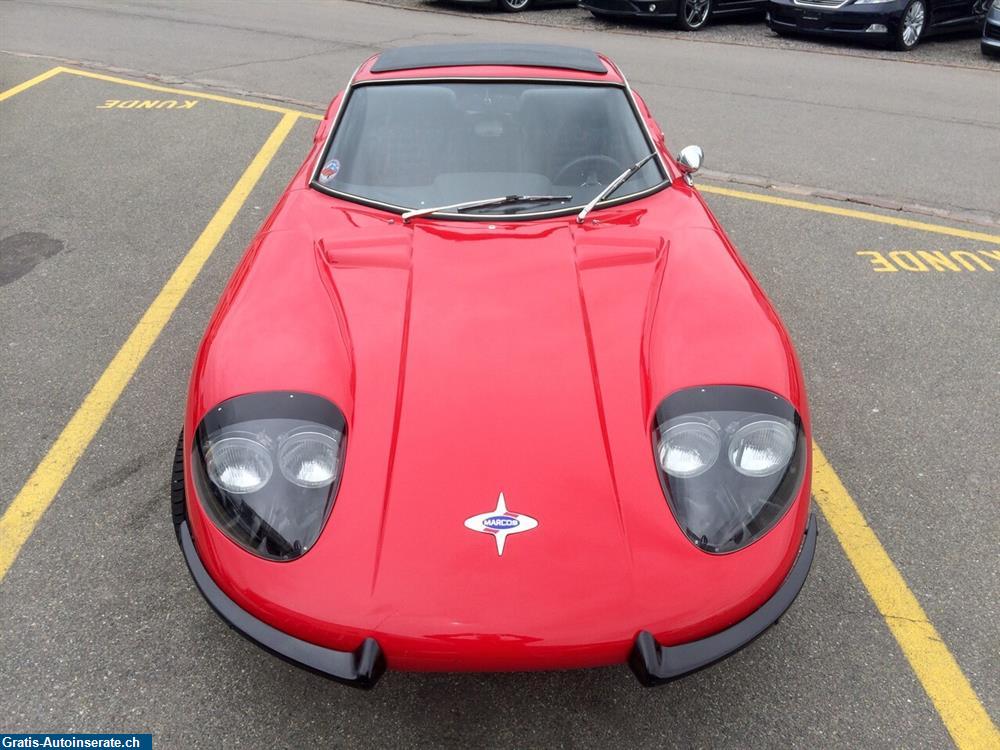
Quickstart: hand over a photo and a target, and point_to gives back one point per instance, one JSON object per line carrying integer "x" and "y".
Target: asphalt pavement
{"x": 101, "y": 628}
{"x": 956, "y": 49}
{"x": 921, "y": 134}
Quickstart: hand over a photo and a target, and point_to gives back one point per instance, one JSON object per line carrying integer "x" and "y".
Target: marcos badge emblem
{"x": 501, "y": 523}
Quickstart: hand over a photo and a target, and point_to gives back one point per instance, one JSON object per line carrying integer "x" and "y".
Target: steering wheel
{"x": 600, "y": 162}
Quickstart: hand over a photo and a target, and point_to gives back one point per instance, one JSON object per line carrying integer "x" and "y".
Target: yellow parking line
{"x": 853, "y": 214}
{"x": 28, "y": 84}
{"x": 31, "y": 502}
{"x": 949, "y": 690}
{"x": 189, "y": 93}
{"x": 946, "y": 685}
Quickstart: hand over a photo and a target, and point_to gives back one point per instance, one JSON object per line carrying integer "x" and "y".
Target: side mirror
{"x": 690, "y": 159}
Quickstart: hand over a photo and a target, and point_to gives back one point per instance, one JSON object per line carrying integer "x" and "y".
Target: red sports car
{"x": 492, "y": 390}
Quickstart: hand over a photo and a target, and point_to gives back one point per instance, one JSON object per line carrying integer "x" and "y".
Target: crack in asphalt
{"x": 263, "y": 61}
{"x": 170, "y": 17}
{"x": 144, "y": 12}
{"x": 335, "y": 47}
{"x": 640, "y": 83}
{"x": 949, "y": 213}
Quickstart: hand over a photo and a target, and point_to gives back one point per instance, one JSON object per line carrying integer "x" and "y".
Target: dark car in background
{"x": 512, "y": 6}
{"x": 900, "y": 23}
{"x": 687, "y": 14}
{"x": 990, "y": 44}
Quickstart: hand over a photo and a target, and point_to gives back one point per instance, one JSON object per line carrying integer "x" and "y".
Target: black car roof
{"x": 458, "y": 55}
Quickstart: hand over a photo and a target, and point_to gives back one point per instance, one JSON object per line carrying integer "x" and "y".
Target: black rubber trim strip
{"x": 177, "y": 510}
{"x": 361, "y": 668}
{"x": 460, "y": 55}
{"x": 655, "y": 665}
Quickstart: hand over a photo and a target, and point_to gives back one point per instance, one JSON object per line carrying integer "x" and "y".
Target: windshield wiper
{"x": 615, "y": 184}
{"x": 502, "y": 200}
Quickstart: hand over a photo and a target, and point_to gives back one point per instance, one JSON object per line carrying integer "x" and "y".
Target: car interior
{"x": 417, "y": 145}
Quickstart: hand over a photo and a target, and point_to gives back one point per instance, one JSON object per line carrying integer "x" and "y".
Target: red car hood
{"x": 472, "y": 359}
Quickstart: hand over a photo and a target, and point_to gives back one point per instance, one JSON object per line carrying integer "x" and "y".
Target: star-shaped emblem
{"x": 501, "y": 523}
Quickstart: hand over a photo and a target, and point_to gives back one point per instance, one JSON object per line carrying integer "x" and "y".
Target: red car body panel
{"x": 471, "y": 358}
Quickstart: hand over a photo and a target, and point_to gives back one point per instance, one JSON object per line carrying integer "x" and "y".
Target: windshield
{"x": 422, "y": 145}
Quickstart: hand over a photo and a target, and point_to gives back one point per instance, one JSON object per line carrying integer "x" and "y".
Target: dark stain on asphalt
{"x": 152, "y": 500}
{"x": 124, "y": 472}
{"x": 149, "y": 506}
{"x": 21, "y": 252}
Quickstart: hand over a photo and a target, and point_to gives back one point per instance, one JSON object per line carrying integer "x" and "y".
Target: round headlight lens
{"x": 238, "y": 465}
{"x": 688, "y": 449}
{"x": 309, "y": 458}
{"x": 759, "y": 449}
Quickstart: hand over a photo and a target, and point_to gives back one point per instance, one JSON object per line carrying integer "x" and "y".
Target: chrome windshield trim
{"x": 552, "y": 213}
{"x": 352, "y": 84}
{"x": 333, "y": 125}
{"x": 645, "y": 126}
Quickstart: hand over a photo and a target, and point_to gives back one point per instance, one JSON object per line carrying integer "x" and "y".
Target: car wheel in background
{"x": 693, "y": 14}
{"x": 911, "y": 26}
{"x": 513, "y": 6}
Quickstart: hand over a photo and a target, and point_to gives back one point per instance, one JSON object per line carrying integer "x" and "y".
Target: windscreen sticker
{"x": 329, "y": 171}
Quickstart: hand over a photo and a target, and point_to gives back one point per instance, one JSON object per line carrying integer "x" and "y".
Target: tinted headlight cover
{"x": 742, "y": 494}
{"x": 238, "y": 449}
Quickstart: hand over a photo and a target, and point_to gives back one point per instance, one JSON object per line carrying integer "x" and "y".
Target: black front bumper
{"x": 655, "y": 665}
{"x": 848, "y": 21}
{"x": 662, "y": 9}
{"x": 652, "y": 663}
{"x": 361, "y": 668}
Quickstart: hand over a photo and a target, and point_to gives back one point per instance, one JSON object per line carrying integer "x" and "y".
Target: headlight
{"x": 688, "y": 449}
{"x": 277, "y": 515}
{"x": 309, "y": 459}
{"x": 238, "y": 464}
{"x": 759, "y": 449}
{"x": 724, "y": 505}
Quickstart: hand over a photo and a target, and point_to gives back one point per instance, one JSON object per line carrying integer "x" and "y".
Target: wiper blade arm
{"x": 501, "y": 200}
{"x": 613, "y": 186}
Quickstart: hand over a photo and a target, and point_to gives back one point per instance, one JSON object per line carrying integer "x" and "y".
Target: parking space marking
{"x": 14, "y": 90}
{"x": 923, "y": 261}
{"x": 153, "y": 87}
{"x": 943, "y": 680}
{"x": 148, "y": 104}
{"x": 189, "y": 93}
{"x": 949, "y": 690}
{"x": 851, "y": 213}
{"x": 34, "y": 498}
